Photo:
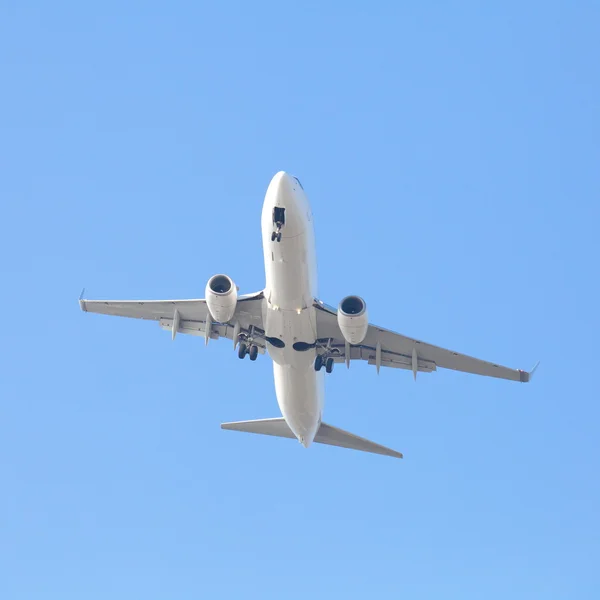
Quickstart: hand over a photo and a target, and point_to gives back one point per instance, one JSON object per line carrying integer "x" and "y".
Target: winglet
{"x": 82, "y": 301}
{"x": 525, "y": 376}
{"x": 537, "y": 364}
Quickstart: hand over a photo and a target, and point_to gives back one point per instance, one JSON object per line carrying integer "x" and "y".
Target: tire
{"x": 279, "y": 237}
{"x": 329, "y": 365}
{"x": 318, "y": 362}
{"x": 273, "y": 236}
{"x": 242, "y": 350}
{"x": 253, "y": 352}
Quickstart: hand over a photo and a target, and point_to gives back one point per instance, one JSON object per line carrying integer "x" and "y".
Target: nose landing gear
{"x": 279, "y": 222}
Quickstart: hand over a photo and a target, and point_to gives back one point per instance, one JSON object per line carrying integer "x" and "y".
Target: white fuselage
{"x": 291, "y": 276}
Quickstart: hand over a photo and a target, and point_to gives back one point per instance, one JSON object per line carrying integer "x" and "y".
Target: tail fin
{"x": 326, "y": 435}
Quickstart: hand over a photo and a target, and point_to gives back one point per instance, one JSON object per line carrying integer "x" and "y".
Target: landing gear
{"x": 253, "y": 352}
{"x": 279, "y": 222}
{"x": 246, "y": 348}
{"x": 318, "y": 362}
{"x": 324, "y": 361}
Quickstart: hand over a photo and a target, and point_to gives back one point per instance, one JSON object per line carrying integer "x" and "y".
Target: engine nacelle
{"x": 353, "y": 319}
{"x": 221, "y": 298}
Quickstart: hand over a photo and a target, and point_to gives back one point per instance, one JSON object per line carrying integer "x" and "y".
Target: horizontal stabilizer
{"x": 338, "y": 437}
{"x": 277, "y": 427}
{"x": 326, "y": 435}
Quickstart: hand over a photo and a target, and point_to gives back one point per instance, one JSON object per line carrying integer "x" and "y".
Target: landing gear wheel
{"x": 279, "y": 236}
{"x": 273, "y": 236}
{"x": 329, "y": 365}
{"x": 253, "y": 352}
{"x": 318, "y": 362}
{"x": 242, "y": 349}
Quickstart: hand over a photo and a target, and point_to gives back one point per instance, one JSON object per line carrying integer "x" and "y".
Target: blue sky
{"x": 450, "y": 152}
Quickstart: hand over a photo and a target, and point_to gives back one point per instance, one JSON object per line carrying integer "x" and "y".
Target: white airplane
{"x": 301, "y": 333}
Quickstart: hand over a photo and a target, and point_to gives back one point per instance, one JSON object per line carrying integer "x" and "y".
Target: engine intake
{"x": 221, "y": 298}
{"x": 353, "y": 319}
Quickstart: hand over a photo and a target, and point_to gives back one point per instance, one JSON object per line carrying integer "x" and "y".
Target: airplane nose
{"x": 282, "y": 182}
{"x": 283, "y": 194}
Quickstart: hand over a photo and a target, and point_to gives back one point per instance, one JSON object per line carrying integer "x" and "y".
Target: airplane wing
{"x": 384, "y": 348}
{"x": 189, "y": 316}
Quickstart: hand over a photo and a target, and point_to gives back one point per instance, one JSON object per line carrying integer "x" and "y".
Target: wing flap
{"x": 152, "y": 310}
{"x": 388, "y": 359}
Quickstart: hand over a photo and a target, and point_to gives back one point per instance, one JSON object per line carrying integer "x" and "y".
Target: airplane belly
{"x": 289, "y": 273}
{"x": 298, "y": 387}
{"x": 299, "y": 395}
{"x": 284, "y": 328}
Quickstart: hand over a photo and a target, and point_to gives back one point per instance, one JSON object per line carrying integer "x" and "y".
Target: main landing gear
{"x": 250, "y": 349}
{"x": 321, "y": 360}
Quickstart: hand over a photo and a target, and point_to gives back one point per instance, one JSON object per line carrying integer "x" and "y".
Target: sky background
{"x": 450, "y": 151}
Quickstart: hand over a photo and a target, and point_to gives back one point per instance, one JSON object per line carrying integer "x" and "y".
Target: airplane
{"x": 303, "y": 336}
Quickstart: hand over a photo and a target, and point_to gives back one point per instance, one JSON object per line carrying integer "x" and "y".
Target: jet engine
{"x": 353, "y": 319}
{"x": 221, "y": 298}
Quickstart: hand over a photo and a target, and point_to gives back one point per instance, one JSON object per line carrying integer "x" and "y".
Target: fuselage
{"x": 290, "y": 289}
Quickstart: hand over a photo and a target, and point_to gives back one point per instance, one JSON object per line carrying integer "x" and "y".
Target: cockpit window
{"x": 299, "y": 182}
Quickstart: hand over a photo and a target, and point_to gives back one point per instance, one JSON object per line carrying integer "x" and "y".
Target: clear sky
{"x": 450, "y": 151}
